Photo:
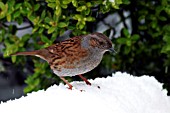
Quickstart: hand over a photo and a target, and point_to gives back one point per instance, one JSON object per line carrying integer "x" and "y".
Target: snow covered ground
{"x": 121, "y": 93}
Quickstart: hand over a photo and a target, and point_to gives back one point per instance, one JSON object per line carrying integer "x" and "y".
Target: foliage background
{"x": 144, "y": 48}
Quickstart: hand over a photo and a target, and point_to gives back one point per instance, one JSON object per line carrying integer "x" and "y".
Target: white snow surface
{"x": 121, "y": 93}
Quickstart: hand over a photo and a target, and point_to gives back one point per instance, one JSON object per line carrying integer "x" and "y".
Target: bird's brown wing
{"x": 66, "y": 54}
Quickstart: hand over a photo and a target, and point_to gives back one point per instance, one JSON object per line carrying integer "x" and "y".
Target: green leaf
{"x": 58, "y": 11}
{"x": 167, "y": 10}
{"x": 47, "y": 19}
{"x": 21, "y": 44}
{"x": 28, "y": 5}
{"x": 25, "y": 37}
{"x": 51, "y": 29}
{"x": 13, "y": 59}
{"x": 64, "y": 6}
{"x": 62, "y": 31}
{"x": 43, "y": 14}
{"x": 166, "y": 38}
{"x": 46, "y": 26}
{"x": 16, "y": 14}
{"x": 75, "y": 3}
{"x": 10, "y": 49}
{"x": 9, "y": 17}
{"x": 71, "y": 27}
{"x": 36, "y": 7}
{"x": 51, "y": 0}
{"x": 3, "y": 33}
{"x": 62, "y": 24}
{"x": 2, "y": 5}
{"x": 165, "y": 49}
{"x": 162, "y": 18}
{"x": 87, "y": 12}
{"x": 128, "y": 42}
{"x": 1, "y": 38}
{"x": 154, "y": 24}
{"x": 127, "y": 50}
{"x": 11, "y": 3}
{"x": 166, "y": 28}
{"x": 66, "y": 1}
{"x": 54, "y": 36}
{"x": 35, "y": 29}
{"x": 26, "y": 12}
{"x": 126, "y": 32}
{"x": 135, "y": 37}
{"x": 33, "y": 83}
{"x": 89, "y": 19}
{"x": 36, "y": 20}
{"x": 44, "y": 39}
{"x": 81, "y": 8}
{"x": 78, "y": 17}
{"x": 121, "y": 40}
{"x": 52, "y": 5}
{"x": 19, "y": 20}
{"x": 126, "y": 2}
{"x": 3, "y": 10}
{"x": 116, "y": 6}
{"x": 88, "y": 4}
{"x": 81, "y": 26}
{"x": 17, "y": 6}
{"x": 41, "y": 30}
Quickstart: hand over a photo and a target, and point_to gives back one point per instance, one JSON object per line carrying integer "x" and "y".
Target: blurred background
{"x": 139, "y": 30}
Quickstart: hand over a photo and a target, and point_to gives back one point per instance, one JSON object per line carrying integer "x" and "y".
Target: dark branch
{"x": 21, "y": 28}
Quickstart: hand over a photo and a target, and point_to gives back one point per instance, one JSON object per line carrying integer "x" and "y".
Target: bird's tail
{"x": 42, "y": 53}
{"x": 25, "y": 53}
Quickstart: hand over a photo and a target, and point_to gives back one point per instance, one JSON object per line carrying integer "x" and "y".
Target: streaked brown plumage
{"x": 74, "y": 56}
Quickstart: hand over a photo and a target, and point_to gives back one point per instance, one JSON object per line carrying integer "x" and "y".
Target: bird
{"x": 74, "y": 56}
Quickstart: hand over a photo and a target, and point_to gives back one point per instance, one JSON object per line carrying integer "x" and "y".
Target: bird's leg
{"x": 70, "y": 86}
{"x": 83, "y": 78}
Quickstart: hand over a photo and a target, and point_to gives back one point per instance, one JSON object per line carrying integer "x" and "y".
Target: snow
{"x": 121, "y": 93}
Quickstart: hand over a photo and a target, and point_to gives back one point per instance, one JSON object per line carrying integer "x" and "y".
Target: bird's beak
{"x": 112, "y": 50}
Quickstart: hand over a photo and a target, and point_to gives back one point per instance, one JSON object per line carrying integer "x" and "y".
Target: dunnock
{"x": 74, "y": 56}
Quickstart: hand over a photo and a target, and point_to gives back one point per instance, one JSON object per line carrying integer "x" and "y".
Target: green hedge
{"x": 143, "y": 50}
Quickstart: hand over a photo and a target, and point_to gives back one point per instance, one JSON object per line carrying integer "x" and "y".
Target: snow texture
{"x": 121, "y": 93}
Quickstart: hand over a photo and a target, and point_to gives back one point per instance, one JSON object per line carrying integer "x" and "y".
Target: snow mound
{"x": 121, "y": 93}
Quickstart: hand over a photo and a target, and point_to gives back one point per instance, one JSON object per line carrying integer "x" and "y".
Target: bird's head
{"x": 100, "y": 41}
